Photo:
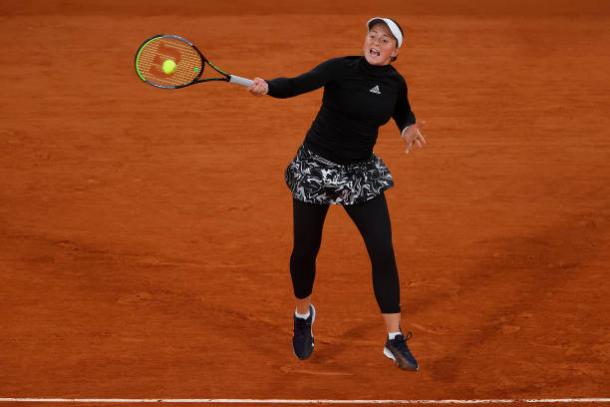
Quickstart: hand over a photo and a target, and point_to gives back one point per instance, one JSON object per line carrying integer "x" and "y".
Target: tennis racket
{"x": 171, "y": 62}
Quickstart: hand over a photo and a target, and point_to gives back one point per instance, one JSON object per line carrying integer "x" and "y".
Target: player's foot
{"x": 302, "y": 340}
{"x": 397, "y": 350}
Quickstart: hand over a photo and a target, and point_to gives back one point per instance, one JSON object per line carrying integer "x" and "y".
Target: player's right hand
{"x": 259, "y": 87}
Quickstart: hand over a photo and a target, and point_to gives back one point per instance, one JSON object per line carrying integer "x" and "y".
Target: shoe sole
{"x": 313, "y": 319}
{"x": 403, "y": 366}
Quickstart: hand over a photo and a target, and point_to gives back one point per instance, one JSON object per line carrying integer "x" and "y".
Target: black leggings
{"x": 373, "y": 222}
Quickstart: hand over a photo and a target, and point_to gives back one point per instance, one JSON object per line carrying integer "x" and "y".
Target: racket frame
{"x": 226, "y": 77}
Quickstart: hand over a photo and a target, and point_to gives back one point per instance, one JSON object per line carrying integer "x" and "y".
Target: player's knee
{"x": 382, "y": 253}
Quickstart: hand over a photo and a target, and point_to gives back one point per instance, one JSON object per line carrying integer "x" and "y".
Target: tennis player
{"x": 336, "y": 165}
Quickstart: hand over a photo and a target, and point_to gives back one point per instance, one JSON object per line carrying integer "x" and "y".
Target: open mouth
{"x": 374, "y": 52}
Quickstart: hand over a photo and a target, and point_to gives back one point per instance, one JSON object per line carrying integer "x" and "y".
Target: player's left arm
{"x": 410, "y": 128}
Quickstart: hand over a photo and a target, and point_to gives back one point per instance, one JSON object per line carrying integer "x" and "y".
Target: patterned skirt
{"x": 314, "y": 179}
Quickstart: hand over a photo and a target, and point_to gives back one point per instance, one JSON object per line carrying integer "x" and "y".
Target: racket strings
{"x": 152, "y": 55}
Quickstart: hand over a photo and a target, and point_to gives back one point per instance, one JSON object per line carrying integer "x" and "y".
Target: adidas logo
{"x": 375, "y": 89}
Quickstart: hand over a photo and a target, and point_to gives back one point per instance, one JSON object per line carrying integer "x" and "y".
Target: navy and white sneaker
{"x": 302, "y": 340}
{"x": 397, "y": 350}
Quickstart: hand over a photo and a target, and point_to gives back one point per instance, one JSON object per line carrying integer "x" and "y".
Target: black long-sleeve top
{"x": 358, "y": 99}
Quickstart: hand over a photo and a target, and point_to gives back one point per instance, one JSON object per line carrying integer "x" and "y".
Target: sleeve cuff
{"x": 402, "y": 133}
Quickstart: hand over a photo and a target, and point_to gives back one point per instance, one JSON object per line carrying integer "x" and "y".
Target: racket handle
{"x": 238, "y": 80}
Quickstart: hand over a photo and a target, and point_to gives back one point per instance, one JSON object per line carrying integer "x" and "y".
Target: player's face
{"x": 379, "y": 45}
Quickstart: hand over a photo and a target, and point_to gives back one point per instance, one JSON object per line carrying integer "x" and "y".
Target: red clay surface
{"x": 145, "y": 234}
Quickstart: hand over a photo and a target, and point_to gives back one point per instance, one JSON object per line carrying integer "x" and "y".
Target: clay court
{"x": 145, "y": 234}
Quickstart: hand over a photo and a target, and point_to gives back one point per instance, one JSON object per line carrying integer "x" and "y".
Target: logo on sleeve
{"x": 375, "y": 89}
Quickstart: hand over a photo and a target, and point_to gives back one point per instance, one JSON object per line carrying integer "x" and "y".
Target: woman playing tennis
{"x": 336, "y": 165}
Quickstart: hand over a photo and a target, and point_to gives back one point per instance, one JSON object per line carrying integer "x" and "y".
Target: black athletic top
{"x": 358, "y": 99}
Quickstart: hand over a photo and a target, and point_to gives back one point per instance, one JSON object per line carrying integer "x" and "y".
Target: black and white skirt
{"x": 314, "y": 179}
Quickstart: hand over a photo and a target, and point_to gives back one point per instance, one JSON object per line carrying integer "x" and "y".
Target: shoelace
{"x": 303, "y": 326}
{"x": 401, "y": 344}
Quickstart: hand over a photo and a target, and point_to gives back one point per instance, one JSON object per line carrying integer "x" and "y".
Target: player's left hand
{"x": 412, "y": 135}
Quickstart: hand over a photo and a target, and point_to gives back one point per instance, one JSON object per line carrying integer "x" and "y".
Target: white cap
{"x": 394, "y": 29}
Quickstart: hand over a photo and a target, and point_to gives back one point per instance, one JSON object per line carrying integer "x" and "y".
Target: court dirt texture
{"x": 145, "y": 234}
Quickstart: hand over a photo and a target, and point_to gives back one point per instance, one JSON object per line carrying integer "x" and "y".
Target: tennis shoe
{"x": 302, "y": 340}
{"x": 397, "y": 350}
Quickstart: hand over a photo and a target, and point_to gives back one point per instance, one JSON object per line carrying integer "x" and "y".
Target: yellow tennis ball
{"x": 169, "y": 66}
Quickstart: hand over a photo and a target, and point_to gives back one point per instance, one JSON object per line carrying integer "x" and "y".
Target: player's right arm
{"x": 289, "y": 87}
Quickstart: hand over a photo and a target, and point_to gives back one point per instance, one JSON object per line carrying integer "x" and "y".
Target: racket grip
{"x": 238, "y": 80}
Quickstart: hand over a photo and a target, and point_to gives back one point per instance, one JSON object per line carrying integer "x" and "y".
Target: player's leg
{"x": 373, "y": 221}
{"x": 308, "y": 222}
